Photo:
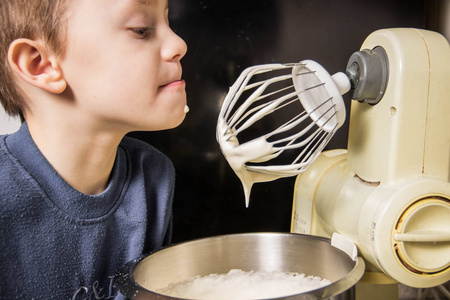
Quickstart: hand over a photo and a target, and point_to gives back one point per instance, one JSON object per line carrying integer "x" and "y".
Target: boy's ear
{"x": 32, "y": 62}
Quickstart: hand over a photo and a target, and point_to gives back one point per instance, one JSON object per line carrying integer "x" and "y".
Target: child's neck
{"x": 82, "y": 156}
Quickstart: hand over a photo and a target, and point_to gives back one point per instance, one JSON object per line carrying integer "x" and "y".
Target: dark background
{"x": 224, "y": 37}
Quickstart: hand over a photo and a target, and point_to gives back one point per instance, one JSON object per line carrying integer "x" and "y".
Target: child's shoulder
{"x": 4, "y": 153}
{"x": 142, "y": 151}
{"x": 10, "y": 168}
{"x": 131, "y": 144}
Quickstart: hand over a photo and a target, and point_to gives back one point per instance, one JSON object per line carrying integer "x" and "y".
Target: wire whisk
{"x": 277, "y": 118}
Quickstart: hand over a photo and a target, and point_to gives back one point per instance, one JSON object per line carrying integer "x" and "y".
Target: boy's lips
{"x": 175, "y": 83}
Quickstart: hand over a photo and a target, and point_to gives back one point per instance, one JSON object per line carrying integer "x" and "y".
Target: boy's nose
{"x": 175, "y": 47}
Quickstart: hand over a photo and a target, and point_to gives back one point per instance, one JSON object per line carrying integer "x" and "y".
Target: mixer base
{"x": 369, "y": 291}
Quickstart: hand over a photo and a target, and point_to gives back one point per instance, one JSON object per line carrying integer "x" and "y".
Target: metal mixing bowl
{"x": 285, "y": 252}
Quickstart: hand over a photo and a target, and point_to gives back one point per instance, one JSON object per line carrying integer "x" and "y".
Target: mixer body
{"x": 389, "y": 192}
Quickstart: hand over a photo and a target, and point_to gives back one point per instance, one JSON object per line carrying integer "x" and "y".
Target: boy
{"x": 77, "y": 199}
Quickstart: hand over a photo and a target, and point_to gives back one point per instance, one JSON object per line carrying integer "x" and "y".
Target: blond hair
{"x": 32, "y": 19}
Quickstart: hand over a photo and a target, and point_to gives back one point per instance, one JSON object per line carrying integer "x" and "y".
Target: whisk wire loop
{"x": 254, "y": 97}
{"x": 263, "y": 111}
{"x": 241, "y": 85}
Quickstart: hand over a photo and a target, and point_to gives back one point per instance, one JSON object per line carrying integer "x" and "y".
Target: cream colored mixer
{"x": 389, "y": 192}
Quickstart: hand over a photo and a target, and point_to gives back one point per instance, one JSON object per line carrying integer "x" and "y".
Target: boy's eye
{"x": 142, "y": 32}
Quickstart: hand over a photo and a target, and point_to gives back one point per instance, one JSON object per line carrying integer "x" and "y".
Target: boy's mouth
{"x": 174, "y": 84}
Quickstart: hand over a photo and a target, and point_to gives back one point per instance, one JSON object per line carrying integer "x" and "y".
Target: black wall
{"x": 224, "y": 37}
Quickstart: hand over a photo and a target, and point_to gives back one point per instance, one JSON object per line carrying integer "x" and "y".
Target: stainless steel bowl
{"x": 284, "y": 252}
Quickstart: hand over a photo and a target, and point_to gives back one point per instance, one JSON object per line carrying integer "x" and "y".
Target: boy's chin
{"x": 173, "y": 122}
{"x": 172, "y": 119}
{"x": 178, "y": 121}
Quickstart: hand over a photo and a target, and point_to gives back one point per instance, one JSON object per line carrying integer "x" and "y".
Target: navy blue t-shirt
{"x": 58, "y": 243}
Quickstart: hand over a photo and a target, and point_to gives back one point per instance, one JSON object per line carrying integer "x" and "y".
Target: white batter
{"x": 240, "y": 285}
{"x": 237, "y": 155}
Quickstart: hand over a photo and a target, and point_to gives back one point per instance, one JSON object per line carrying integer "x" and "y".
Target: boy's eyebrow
{"x": 147, "y": 2}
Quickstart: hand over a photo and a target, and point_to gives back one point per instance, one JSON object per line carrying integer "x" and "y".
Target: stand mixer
{"x": 389, "y": 192}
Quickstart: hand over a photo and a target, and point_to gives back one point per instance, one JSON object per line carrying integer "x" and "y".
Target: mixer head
{"x": 298, "y": 108}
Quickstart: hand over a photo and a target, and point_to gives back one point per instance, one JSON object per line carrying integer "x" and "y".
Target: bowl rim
{"x": 127, "y": 285}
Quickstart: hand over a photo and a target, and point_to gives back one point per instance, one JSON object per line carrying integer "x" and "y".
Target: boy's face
{"x": 122, "y": 64}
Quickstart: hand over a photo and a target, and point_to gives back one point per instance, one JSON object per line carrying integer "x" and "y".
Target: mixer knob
{"x": 368, "y": 73}
{"x": 422, "y": 236}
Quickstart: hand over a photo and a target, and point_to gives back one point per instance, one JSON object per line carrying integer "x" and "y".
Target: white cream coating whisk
{"x": 252, "y": 99}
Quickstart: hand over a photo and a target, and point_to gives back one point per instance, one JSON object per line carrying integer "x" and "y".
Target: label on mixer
{"x": 302, "y": 216}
